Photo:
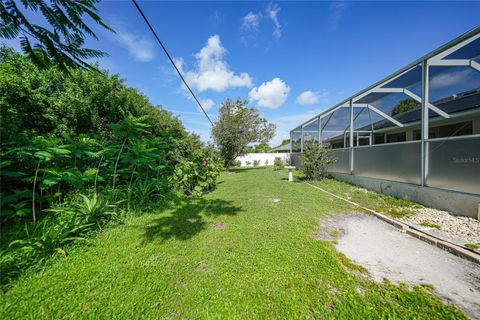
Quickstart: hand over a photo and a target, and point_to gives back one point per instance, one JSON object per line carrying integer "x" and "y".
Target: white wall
{"x": 263, "y": 157}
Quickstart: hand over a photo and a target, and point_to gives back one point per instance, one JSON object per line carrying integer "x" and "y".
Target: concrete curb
{"x": 410, "y": 230}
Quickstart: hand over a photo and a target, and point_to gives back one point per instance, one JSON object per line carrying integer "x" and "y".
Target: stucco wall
{"x": 263, "y": 158}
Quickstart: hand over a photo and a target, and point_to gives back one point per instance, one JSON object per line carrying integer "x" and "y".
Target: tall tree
{"x": 238, "y": 126}
{"x": 62, "y": 43}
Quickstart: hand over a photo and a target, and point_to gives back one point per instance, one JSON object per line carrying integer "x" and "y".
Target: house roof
{"x": 283, "y": 147}
{"x": 453, "y": 104}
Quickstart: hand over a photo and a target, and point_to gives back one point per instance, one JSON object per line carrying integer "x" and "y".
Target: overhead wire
{"x": 171, "y": 60}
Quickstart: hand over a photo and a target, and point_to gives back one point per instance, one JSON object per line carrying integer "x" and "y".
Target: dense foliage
{"x": 79, "y": 150}
{"x": 406, "y": 105}
{"x": 237, "y": 127}
{"x": 315, "y": 161}
{"x": 61, "y": 43}
{"x": 262, "y": 147}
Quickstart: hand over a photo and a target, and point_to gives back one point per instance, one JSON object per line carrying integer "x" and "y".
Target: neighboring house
{"x": 282, "y": 148}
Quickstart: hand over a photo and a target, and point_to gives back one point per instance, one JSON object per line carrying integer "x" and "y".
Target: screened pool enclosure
{"x": 420, "y": 125}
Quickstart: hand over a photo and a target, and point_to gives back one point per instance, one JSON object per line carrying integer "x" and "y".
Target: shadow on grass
{"x": 188, "y": 219}
{"x": 243, "y": 169}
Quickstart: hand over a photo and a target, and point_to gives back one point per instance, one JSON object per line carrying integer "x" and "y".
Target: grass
{"x": 472, "y": 246}
{"x": 233, "y": 254}
{"x": 335, "y": 233}
{"x": 426, "y": 223}
{"x": 389, "y": 205}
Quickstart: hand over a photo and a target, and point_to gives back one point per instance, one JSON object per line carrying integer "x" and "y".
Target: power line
{"x": 171, "y": 60}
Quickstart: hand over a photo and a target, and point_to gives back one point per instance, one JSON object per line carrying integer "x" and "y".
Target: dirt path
{"x": 388, "y": 253}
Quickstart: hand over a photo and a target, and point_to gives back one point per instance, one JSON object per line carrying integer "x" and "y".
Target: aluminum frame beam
{"x": 386, "y": 116}
{"x": 436, "y": 54}
{"x": 454, "y": 48}
{"x": 456, "y": 63}
{"x": 424, "y": 128}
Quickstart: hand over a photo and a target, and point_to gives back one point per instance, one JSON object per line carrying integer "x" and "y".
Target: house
{"x": 415, "y": 133}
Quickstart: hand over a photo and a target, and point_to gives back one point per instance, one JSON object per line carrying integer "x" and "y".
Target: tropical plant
{"x": 62, "y": 44}
{"x": 71, "y": 147}
{"x": 315, "y": 161}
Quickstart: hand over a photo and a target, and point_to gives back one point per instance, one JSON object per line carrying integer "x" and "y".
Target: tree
{"x": 238, "y": 126}
{"x": 262, "y": 147}
{"x": 405, "y": 105}
{"x": 62, "y": 44}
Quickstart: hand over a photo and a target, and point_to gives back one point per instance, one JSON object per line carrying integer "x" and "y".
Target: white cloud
{"x": 212, "y": 71}
{"x": 451, "y": 79}
{"x": 206, "y": 104}
{"x": 251, "y": 21}
{"x": 138, "y": 46}
{"x": 216, "y": 18}
{"x": 271, "y": 94}
{"x": 337, "y": 9}
{"x": 272, "y": 11}
{"x": 310, "y": 97}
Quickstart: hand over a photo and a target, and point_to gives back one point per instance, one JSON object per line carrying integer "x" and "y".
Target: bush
{"x": 266, "y": 162}
{"x": 197, "y": 173}
{"x": 256, "y": 163}
{"x": 99, "y": 138}
{"x": 278, "y": 164}
{"x": 315, "y": 161}
{"x": 247, "y": 163}
{"x": 237, "y": 163}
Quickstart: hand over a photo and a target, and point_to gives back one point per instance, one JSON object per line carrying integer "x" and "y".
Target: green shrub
{"x": 197, "y": 173}
{"x": 102, "y": 138}
{"x": 278, "y": 164}
{"x": 237, "y": 163}
{"x": 315, "y": 161}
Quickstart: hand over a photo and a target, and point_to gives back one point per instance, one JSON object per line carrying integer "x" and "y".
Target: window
{"x": 364, "y": 141}
{"x": 379, "y": 138}
{"x": 450, "y": 130}
{"x": 336, "y": 145}
{"x": 396, "y": 137}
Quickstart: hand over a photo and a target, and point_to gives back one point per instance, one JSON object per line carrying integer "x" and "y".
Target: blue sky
{"x": 290, "y": 59}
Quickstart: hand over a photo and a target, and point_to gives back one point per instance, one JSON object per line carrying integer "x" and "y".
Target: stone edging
{"x": 421, "y": 235}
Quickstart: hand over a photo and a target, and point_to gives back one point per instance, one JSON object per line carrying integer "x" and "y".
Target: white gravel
{"x": 461, "y": 230}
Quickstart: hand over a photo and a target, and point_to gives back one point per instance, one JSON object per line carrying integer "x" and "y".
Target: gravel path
{"x": 386, "y": 252}
{"x": 461, "y": 230}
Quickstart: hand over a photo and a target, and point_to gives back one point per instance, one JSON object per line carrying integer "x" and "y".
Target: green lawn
{"x": 246, "y": 250}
